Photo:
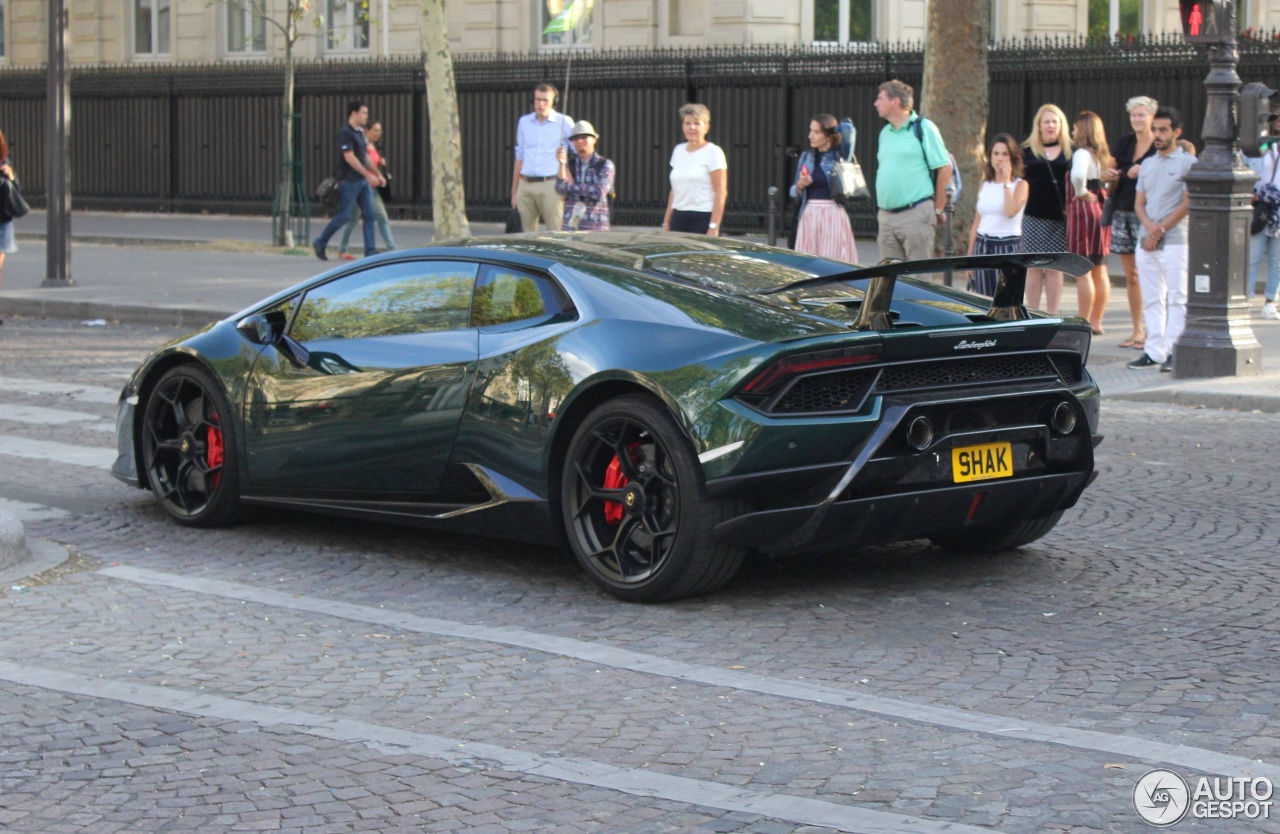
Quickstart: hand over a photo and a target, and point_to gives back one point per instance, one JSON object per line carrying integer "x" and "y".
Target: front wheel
{"x": 189, "y": 449}
{"x": 635, "y": 508}
{"x": 1005, "y": 538}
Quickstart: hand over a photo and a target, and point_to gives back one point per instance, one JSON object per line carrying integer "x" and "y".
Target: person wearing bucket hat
{"x": 585, "y": 181}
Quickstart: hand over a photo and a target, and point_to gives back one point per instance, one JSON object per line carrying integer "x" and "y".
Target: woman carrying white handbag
{"x": 823, "y": 227}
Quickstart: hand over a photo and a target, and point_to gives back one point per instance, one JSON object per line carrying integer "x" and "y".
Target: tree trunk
{"x": 954, "y": 95}
{"x": 448, "y": 200}
{"x": 284, "y": 232}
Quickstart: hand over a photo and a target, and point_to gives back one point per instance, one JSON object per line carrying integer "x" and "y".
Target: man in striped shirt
{"x": 585, "y": 182}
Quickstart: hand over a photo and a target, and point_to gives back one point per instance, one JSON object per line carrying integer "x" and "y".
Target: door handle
{"x": 440, "y": 376}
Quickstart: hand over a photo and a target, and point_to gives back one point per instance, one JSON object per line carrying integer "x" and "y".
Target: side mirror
{"x": 264, "y": 328}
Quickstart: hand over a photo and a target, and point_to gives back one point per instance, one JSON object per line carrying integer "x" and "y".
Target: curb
{"x": 44, "y": 555}
{"x": 1218, "y": 400}
{"x": 123, "y": 313}
{"x": 109, "y": 240}
{"x": 13, "y": 541}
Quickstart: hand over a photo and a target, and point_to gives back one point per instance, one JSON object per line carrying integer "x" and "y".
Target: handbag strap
{"x": 1061, "y": 202}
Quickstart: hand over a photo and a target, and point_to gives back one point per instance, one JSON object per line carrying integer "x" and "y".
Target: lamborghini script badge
{"x": 967, "y": 345}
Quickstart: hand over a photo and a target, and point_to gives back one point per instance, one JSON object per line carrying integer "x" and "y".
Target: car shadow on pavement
{"x": 905, "y": 566}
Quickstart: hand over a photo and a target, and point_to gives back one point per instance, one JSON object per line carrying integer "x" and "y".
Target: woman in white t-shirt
{"x": 699, "y": 178}
{"x": 997, "y": 220}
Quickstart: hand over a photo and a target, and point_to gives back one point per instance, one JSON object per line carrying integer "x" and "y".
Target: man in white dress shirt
{"x": 533, "y": 185}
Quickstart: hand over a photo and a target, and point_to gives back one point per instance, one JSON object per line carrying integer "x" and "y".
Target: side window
{"x": 506, "y": 295}
{"x": 391, "y": 300}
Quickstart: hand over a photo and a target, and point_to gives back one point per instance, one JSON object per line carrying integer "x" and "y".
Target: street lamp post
{"x": 57, "y": 180}
{"x": 1218, "y": 339}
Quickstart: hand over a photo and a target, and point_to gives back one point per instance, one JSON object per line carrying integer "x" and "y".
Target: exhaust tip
{"x": 920, "y": 434}
{"x": 1064, "y": 418}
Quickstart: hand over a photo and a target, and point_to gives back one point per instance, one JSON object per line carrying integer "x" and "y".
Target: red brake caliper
{"x": 213, "y": 450}
{"x": 614, "y": 479}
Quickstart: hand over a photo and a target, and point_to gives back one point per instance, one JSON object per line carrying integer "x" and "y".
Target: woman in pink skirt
{"x": 1090, "y": 165}
{"x": 823, "y": 224}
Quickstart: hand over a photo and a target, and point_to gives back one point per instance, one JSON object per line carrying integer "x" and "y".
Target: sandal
{"x": 1132, "y": 342}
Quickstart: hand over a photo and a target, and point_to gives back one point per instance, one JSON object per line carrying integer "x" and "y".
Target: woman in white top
{"x": 1086, "y": 235}
{"x": 699, "y": 178}
{"x": 997, "y": 221}
{"x": 1266, "y": 243}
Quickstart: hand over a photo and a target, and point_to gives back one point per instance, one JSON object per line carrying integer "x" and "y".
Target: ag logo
{"x": 1161, "y": 798}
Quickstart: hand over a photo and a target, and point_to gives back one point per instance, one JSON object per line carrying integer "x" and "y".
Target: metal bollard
{"x": 773, "y": 215}
{"x": 948, "y": 243}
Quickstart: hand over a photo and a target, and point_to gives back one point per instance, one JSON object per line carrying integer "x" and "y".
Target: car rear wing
{"x": 1008, "y": 303}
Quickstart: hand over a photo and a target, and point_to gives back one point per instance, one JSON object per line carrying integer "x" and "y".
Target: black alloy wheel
{"x": 635, "y": 509}
{"x": 189, "y": 450}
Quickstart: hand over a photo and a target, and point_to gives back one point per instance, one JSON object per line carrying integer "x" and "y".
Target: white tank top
{"x": 990, "y": 205}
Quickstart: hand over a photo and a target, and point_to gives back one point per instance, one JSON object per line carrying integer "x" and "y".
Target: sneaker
{"x": 319, "y": 250}
{"x": 1269, "y": 311}
{"x": 1166, "y": 367}
{"x": 1143, "y": 361}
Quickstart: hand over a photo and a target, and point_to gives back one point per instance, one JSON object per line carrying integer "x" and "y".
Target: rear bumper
{"x": 888, "y": 490}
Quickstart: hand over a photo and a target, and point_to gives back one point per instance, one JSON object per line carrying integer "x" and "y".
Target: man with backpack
{"x": 585, "y": 181}
{"x": 912, "y": 175}
{"x": 357, "y": 178}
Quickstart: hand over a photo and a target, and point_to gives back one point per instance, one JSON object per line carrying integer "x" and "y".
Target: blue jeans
{"x": 350, "y": 194}
{"x": 380, "y": 218}
{"x": 1259, "y": 245}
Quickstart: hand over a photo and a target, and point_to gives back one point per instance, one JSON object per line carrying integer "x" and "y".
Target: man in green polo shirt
{"x": 912, "y": 175}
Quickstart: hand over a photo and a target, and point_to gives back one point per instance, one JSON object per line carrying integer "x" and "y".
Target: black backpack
{"x": 917, "y": 128}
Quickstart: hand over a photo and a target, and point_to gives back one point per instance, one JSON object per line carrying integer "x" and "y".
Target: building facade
{"x": 106, "y": 32}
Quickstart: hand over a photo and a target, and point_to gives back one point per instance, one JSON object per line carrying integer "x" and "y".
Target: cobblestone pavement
{"x": 306, "y": 674}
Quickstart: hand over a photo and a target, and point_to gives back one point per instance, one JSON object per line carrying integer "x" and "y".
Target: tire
{"x": 189, "y": 452}
{"x": 635, "y": 508}
{"x": 994, "y": 541}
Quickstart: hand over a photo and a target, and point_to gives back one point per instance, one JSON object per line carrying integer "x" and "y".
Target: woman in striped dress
{"x": 997, "y": 221}
{"x": 1086, "y": 235}
{"x": 823, "y": 224}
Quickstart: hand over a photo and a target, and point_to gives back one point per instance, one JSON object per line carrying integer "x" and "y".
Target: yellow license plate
{"x": 980, "y": 463}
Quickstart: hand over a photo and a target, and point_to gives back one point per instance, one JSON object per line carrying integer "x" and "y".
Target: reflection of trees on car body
{"x": 387, "y": 304}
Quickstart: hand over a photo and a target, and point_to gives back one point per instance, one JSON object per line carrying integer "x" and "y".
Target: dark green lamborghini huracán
{"x": 661, "y": 403}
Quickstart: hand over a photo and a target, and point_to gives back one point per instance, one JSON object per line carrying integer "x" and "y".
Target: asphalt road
{"x": 313, "y": 675}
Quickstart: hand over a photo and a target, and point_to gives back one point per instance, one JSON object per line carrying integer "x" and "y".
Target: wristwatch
{"x": 1008, "y": 186}
{"x": 713, "y": 225}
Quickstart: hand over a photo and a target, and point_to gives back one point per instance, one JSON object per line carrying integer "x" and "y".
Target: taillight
{"x": 802, "y": 363}
{"x": 1076, "y": 340}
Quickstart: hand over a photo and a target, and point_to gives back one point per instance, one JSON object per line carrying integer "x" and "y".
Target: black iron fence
{"x": 207, "y": 138}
